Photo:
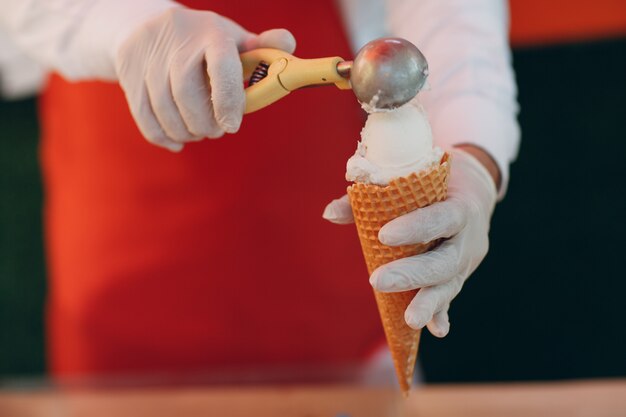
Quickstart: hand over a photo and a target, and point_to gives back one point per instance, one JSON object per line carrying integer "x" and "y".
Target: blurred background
{"x": 548, "y": 301}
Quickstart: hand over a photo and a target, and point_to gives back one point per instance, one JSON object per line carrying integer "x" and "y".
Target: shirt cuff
{"x": 472, "y": 119}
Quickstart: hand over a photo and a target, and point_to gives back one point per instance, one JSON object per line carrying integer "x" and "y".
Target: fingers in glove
{"x": 430, "y": 268}
{"x": 339, "y": 211}
{"x": 273, "y": 38}
{"x": 192, "y": 95}
{"x": 149, "y": 125}
{"x": 226, "y": 80}
{"x": 439, "y": 326}
{"x": 431, "y": 300}
{"x": 443, "y": 219}
{"x": 165, "y": 109}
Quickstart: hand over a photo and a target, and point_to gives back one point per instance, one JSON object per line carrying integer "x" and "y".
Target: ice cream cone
{"x": 374, "y": 206}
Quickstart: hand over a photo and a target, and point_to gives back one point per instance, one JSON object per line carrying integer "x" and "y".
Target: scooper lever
{"x": 284, "y": 74}
{"x": 386, "y": 73}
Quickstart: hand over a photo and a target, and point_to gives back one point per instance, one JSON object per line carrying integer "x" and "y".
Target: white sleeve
{"x": 20, "y": 76}
{"x": 77, "y": 38}
{"x": 472, "y": 95}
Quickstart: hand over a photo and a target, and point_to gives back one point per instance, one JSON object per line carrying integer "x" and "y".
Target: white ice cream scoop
{"x": 386, "y": 73}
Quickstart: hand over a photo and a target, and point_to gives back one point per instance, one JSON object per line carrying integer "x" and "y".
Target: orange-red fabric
{"x": 214, "y": 257}
{"x": 548, "y": 21}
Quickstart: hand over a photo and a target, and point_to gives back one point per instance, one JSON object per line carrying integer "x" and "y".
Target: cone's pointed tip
{"x": 406, "y": 388}
{"x": 405, "y": 383}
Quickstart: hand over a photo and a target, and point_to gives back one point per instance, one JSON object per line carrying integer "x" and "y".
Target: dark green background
{"x": 547, "y": 303}
{"x": 21, "y": 253}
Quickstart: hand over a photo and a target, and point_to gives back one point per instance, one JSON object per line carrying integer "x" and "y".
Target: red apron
{"x": 217, "y": 256}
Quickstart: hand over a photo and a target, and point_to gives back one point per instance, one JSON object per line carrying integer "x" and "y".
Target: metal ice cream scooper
{"x": 386, "y": 73}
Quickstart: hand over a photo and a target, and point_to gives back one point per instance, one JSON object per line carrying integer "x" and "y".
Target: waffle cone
{"x": 374, "y": 206}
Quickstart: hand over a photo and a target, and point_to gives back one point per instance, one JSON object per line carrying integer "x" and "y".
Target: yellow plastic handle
{"x": 307, "y": 72}
{"x": 269, "y": 89}
{"x": 285, "y": 74}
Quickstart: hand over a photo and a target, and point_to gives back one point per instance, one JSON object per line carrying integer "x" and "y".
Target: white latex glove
{"x": 463, "y": 217}
{"x": 163, "y": 68}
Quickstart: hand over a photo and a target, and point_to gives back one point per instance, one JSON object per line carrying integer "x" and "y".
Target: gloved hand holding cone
{"x": 395, "y": 171}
